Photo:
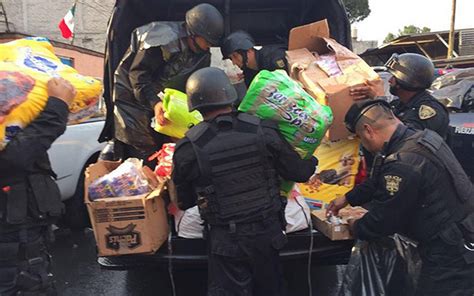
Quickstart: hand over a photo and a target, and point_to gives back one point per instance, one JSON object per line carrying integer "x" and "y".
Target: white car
{"x": 70, "y": 155}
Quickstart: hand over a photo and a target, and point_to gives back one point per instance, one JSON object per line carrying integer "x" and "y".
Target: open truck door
{"x": 249, "y": 15}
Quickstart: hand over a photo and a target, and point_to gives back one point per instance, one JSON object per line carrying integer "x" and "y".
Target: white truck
{"x": 70, "y": 154}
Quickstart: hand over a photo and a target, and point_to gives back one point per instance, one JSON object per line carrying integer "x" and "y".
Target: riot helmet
{"x": 209, "y": 87}
{"x": 236, "y": 42}
{"x": 206, "y": 21}
{"x": 412, "y": 71}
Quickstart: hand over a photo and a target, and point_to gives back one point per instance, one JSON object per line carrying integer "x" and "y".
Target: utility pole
{"x": 451, "y": 31}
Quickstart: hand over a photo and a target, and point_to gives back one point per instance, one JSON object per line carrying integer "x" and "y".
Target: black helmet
{"x": 236, "y": 41}
{"x": 412, "y": 71}
{"x": 209, "y": 87}
{"x": 358, "y": 109}
{"x": 206, "y": 21}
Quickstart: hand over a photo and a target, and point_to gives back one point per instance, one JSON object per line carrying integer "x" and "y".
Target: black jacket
{"x": 410, "y": 194}
{"x": 29, "y": 196}
{"x": 271, "y": 57}
{"x": 423, "y": 111}
{"x": 26, "y": 153}
{"x": 287, "y": 162}
{"x": 158, "y": 58}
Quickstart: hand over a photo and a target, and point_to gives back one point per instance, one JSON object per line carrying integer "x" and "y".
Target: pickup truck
{"x": 252, "y": 16}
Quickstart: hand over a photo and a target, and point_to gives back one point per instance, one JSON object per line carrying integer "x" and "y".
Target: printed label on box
{"x": 122, "y": 237}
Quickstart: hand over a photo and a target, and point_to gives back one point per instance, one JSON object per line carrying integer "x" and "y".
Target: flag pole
{"x": 73, "y": 34}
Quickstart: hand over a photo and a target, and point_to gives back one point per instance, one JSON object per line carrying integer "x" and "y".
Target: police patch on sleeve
{"x": 426, "y": 112}
{"x": 392, "y": 183}
{"x": 280, "y": 63}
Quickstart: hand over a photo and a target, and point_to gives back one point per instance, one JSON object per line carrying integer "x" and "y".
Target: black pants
{"x": 25, "y": 264}
{"x": 245, "y": 260}
{"x": 445, "y": 270}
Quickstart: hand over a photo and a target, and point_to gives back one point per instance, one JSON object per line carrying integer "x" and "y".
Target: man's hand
{"x": 61, "y": 89}
{"x": 365, "y": 91}
{"x": 160, "y": 114}
{"x": 336, "y": 205}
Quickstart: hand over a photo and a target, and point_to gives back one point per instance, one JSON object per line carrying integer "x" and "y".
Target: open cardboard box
{"x": 128, "y": 224}
{"x": 331, "y": 91}
{"x": 340, "y": 231}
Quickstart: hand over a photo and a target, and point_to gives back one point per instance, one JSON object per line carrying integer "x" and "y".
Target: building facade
{"x": 41, "y": 18}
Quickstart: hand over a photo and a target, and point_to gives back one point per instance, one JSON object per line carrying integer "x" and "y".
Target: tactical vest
{"x": 237, "y": 184}
{"x": 34, "y": 199}
{"x": 461, "y": 217}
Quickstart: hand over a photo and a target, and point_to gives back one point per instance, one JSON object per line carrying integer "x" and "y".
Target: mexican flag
{"x": 67, "y": 23}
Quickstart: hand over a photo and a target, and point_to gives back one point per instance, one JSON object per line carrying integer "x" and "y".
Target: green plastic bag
{"x": 180, "y": 119}
{"x": 302, "y": 121}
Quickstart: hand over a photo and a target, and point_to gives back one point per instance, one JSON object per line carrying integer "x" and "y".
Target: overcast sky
{"x": 391, "y": 15}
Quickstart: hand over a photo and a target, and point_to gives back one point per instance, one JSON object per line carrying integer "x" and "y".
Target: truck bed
{"x": 192, "y": 253}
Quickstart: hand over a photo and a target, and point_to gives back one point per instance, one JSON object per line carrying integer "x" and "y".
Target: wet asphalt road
{"x": 77, "y": 273}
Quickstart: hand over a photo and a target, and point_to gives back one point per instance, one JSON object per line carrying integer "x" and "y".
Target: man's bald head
{"x": 373, "y": 121}
{"x": 378, "y": 116}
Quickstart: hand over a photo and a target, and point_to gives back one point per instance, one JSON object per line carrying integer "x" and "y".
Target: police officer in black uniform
{"x": 239, "y": 47}
{"x": 418, "y": 189}
{"x": 161, "y": 55}
{"x": 29, "y": 198}
{"x": 229, "y": 165}
{"x": 412, "y": 75}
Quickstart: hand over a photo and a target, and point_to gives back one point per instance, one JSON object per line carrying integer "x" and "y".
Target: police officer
{"x": 161, "y": 55}
{"x": 30, "y": 199}
{"x": 419, "y": 190}
{"x": 239, "y": 47}
{"x": 229, "y": 165}
{"x": 412, "y": 75}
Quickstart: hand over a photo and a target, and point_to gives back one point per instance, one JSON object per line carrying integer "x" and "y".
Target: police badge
{"x": 426, "y": 112}
{"x": 280, "y": 63}
{"x": 392, "y": 184}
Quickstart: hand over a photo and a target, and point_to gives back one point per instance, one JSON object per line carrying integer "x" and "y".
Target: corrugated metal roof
{"x": 466, "y": 42}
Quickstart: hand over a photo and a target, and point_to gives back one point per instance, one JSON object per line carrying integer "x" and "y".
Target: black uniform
{"x": 230, "y": 168}
{"x": 423, "y": 111}
{"x": 158, "y": 58}
{"x": 420, "y": 190}
{"x": 271, "y": 57}
{"x": 29, "y": 202}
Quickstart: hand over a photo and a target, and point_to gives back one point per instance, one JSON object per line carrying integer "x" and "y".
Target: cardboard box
{"x": 128, "y": 224}
{"x": 332, "y": 231}
{"x": 307, "y": 40}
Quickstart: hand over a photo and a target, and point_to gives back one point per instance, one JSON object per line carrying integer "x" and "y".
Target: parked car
{"x": 70, "y": 155}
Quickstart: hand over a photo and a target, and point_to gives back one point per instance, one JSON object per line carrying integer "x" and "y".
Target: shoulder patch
{"x": 392, "y": 183}
{"x": 280, "y": 63}
{"x": 426, "y": 112}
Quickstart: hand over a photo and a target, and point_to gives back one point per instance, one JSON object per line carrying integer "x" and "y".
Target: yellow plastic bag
{"x": 176, "y": 111}
{"x": 26, "y": 65}
{"x": 337, "y": 168}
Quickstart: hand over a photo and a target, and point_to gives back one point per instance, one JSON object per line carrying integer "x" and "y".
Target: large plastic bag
{"x": 388, "y": 266}
{"x": 301, "y": 120}
{"x": 455, "y": 89}
{"x": 190, "y": 225}
{"x": 297, "y": 213}
{"x": 126, "y": 180}
{"x": 26, "y": 65}
{"x": 175, "y": 105}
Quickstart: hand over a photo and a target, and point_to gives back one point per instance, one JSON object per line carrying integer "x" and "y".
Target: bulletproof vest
{"x": 430, "y": 145}
{"x": 34, "y": 199}
{"x": 237, "y": 182}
